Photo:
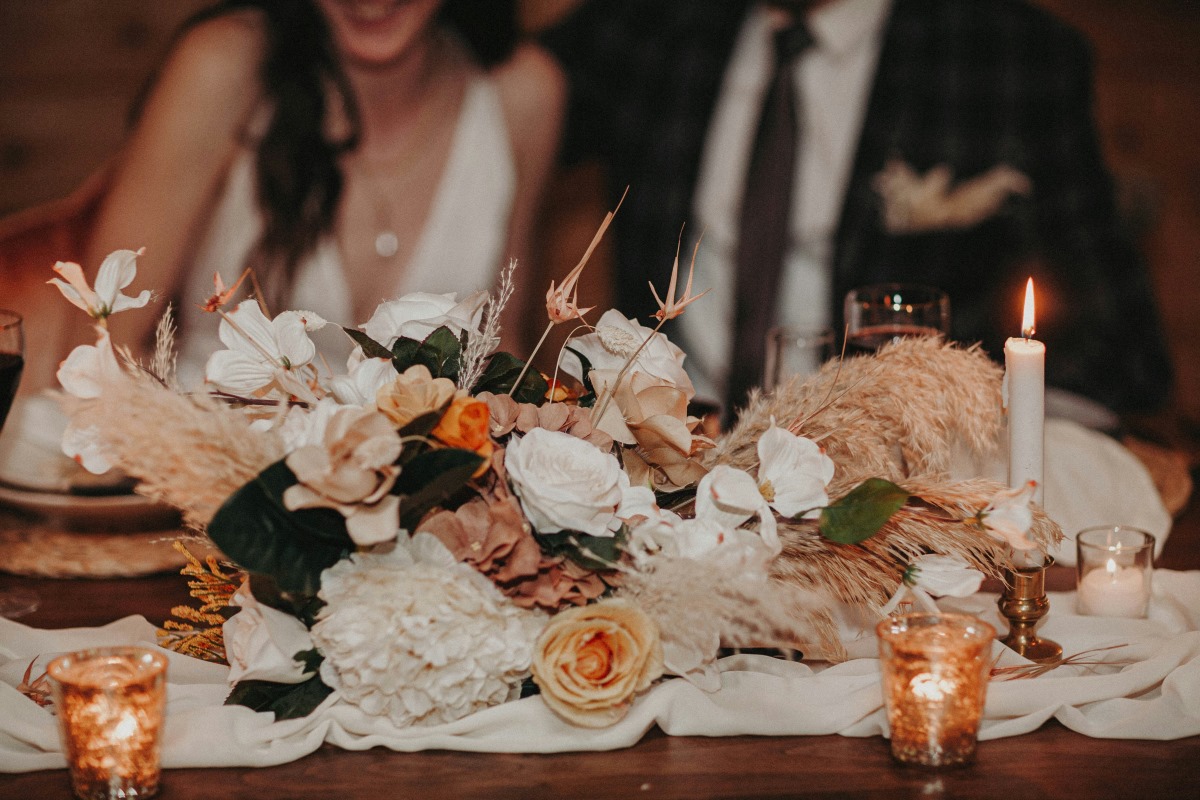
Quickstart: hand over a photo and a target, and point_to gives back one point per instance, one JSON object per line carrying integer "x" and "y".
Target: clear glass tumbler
{"x": 1113, "y": 570}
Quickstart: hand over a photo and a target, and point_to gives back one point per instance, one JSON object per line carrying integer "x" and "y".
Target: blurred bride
{"x": 348, "y": 150}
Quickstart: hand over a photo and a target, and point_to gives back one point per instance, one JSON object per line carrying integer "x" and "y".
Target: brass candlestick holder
{"x": 1023, "y": 603}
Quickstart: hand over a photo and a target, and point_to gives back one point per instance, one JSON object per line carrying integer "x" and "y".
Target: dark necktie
{"x": 766, "y": 211}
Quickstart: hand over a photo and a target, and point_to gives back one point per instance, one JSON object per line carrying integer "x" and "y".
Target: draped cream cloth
{"x": 1149, "y": 690}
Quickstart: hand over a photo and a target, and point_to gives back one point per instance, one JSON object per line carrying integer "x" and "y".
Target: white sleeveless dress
{"x": 461, "y": 248}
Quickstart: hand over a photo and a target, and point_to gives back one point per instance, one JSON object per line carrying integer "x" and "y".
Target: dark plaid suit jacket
{"x": 966, "y": 83}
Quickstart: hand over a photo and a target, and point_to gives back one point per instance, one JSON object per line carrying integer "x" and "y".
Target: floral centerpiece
{"x": 438, "y": 528}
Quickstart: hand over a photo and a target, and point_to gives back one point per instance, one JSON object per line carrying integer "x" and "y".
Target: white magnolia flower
{"x": 261, "y": 641}
{"x": 565, "y": 483}
{"x": 364, "y": 381}
{"x": 264, "y": 355}
{"x": 933, "y": 575}
{"x": 944, "y": 576}
{"x": 83, "y": 374}
{"x": 419, "y": 638}
{"x": 1009, "y": 517}
{"x": 793, "y": 472}
{"x": 88, "y": 367}
{"x": 419, "y": 314}
{"x": 116, "y": 272}
{"x": 616, "y": 339}
{"x": 300, "y": 426}
{"x": 730, "y": 497}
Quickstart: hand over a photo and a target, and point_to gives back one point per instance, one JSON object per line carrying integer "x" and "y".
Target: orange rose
{"x": 590, "y": 661}
{"x": 465, "y": 425}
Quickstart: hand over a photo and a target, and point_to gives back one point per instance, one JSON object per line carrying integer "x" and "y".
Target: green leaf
{"x": 592, "y": 552}
{"x": 589, "y": 392}
{"x": 370, "y": 347}
{"x": 430, "y": 478}
{"x": 287, "y": 700}
{"x": 441, "y": 352}
{"x": 267, "y": 591}
{"x": 254, "y": 529}
{"x": 404, "y": 353}
{"x": 862, "y": 512}
{"x": 502, "y": 371}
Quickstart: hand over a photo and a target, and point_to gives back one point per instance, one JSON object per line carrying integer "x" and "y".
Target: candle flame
{"x": 1027, "y": 327}
{"x": 1111, "y": 567}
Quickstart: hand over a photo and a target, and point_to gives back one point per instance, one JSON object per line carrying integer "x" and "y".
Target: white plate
{"x": 30, "y": 454}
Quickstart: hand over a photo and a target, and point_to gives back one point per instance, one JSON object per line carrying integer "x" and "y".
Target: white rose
{"x": 616, "y": 339}
{"x": 419, "y": 314}
{"x": 565, "y": 483}
{"x": 261, "y": 641}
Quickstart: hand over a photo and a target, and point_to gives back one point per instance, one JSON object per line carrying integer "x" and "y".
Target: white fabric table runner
{"x": 1154, "y": 693}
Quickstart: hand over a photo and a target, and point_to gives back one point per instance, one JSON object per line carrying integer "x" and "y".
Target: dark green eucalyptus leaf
{"x": 441, "y": 352}
{"x": 287, "y": 700}
{"x": 588, "y": 399}
{"x": 862, "y": 512}
{"x": 404, "y": 353}
{"x": 311, "y": 659}
{"x": 500, "y": 373}
{"x": 370, "y": 347}
{"x": 254, "y": 529}
{"x": 266, "y": 591}
{"x": 592, "y": 552}
{"x": 430, "y": 478}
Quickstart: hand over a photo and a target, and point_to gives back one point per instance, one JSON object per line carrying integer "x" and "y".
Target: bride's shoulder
{"x": 533, "y": 91}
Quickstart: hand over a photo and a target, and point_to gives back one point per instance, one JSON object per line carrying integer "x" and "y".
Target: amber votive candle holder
{"x": 935, "y": 670}
{"x": 110, "y": 703}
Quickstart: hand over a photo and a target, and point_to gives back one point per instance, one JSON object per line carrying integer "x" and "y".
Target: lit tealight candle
{"x": 1114, "y": 591}
{"x": 110, "y": 704}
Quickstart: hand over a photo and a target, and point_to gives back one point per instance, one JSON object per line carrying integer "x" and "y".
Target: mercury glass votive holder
{"x": 110, "y": 704}
{"x": 935, "y": 669}
{"x": 1113, "y": 570}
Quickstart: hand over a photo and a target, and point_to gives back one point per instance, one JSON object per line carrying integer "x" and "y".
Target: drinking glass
{"x": 795, "y": 352}
{"x": 887, "y": 312}
{"x": 12, "y": 361}
{"x": 1113, "y": 569}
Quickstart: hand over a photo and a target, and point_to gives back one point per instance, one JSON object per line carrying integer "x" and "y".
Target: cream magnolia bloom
{"x": 416, "y": 315}
{"x": 565, "y": 483}
{"x": 362, "y": 384}
{"x": 351, "y": 472}
{"x": 261, "y": 641}
{"x": 590, "y": 661}
{"x": 615, "y": 340}
{"x": 793, "y": 472}
{"x": 730, "y": 497}
{"x": 83, "y": 374}
{"x": 264, "y": 355}
{"x": 88, "y": 367}
{"x": 944, "y": 576}
{"x": 116, "y": 272}
{"x": 1009, "y": 517}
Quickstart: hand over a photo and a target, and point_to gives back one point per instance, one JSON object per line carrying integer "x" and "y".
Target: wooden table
{"x": 1051, "y": 762}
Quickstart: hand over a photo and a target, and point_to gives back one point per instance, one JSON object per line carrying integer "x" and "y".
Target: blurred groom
{"x": 943, "y": 142}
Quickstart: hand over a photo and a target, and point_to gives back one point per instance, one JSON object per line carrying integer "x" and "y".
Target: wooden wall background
{"x": 70, "y": 68}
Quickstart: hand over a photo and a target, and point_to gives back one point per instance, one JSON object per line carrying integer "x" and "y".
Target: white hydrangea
{"x": 420, "y": 638}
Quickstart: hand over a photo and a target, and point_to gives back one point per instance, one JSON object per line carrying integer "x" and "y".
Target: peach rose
{"x": 413, "y": 393}
{"x": 465, "y": 425}
{"x": 590, "y": 661}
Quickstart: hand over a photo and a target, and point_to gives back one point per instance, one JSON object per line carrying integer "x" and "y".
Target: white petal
{"x": 727, "y": 496}
{"x": 292, "y": 340}
{"x": 252, "y": 323}
{"x": 238, "y": 373}
{"x": 116, "y": 272}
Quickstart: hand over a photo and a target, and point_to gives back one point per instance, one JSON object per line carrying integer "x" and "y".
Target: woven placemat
{"x": 43, "y": 549}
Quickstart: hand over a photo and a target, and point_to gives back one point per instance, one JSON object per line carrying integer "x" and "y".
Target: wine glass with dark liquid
{"x": 888, "y": 312}
{"x": 12, "y": 363}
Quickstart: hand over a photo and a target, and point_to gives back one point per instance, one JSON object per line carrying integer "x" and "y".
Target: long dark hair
{"x": 299, "y": 182}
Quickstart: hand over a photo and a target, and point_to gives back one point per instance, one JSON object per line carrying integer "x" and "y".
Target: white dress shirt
{"x": 833, "y": 81}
